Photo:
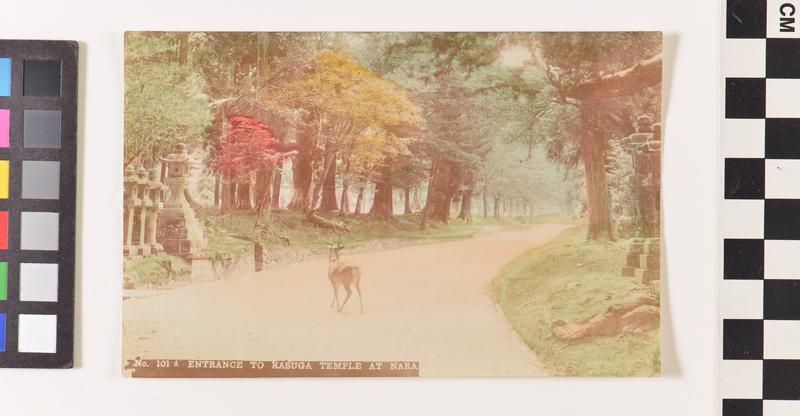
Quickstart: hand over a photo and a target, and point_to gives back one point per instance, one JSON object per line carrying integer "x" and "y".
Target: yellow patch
{"x": 3, "y": 179}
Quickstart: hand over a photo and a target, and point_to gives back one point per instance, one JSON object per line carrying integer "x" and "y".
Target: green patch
{"x": 4, "y": 280}
{"x": 570, "y": 279}
{"x": 156, "y": 270}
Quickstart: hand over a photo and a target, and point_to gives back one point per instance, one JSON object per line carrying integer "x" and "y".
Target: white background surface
{"x": 96, "y": 387}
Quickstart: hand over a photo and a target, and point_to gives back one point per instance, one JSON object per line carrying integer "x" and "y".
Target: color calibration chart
{"x": 38, "y": 114}
{"x": 759, "y": 293}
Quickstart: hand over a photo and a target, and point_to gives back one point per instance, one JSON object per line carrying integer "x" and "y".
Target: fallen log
{"x": 641, "y": 314}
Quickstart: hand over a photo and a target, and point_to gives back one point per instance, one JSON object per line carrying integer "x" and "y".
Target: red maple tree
{"x": 249, "y": 145}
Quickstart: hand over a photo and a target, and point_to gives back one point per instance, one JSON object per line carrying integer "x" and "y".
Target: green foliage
{"x": 164, "y": 101}
{"x": 571, "y": 279}
{"x": 450, "y": 127}
{"x": 156, "y": 270}
{"x": 566, "y": 58}
{"x": 586, "y": 54}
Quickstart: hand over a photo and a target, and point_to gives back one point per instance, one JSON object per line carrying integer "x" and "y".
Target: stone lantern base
{"x": 173, "y": 234}
{"x": 180, "y": 235}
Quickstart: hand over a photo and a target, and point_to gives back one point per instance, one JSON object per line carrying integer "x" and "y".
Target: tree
{"x": 591, "y": 71}
{"x": 248, "y": 147}
{"x": 437, "y": 68}
{"x": 453, "y": 144}
{"x": 239, "y": 69}
{"x": 349, "y": 107}
{"x": 164, "y": 100}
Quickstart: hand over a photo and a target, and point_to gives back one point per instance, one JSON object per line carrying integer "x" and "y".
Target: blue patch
{"x": 2, "y": 332}
{"x": 5, "y": 77}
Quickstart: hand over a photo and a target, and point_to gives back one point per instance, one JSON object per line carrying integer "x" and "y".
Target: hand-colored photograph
{"x": 392, "y": 204}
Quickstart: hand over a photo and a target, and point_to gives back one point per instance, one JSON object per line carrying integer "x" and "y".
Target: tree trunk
{"x": 328, "y": 203}
{"x": 426, "y": 210}
{"x": 465, "y": 213}
{"x": 466, "y": 206}
{"x": 263, "y": 188}
{"x": 302, "y": 172}
{"x": 382, "y": 203}
{"x": 416, "y": 206}
{"x": 359, "y": 201}
{"x": 243, "y": 191}
{"x": 593, "y": 154}
{"x": 217, "y": 185}
{"x": 444, "y": 184}
{"x": 344, "y": 204}
{"x": 230, "y": 196}
{"x": 275, "y": 199}
{"x": 496, "y": 208}
{"x": 407, "y": 200}
{"x": 328, "y": 160}
{"x": 219, "y": 191}
{"x": 485, "y": 201}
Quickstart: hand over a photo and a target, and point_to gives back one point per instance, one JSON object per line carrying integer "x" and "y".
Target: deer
{"x": 343, "y": 273}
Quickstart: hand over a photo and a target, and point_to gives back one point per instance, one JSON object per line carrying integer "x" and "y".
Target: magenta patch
{"x": 5, "y": 116}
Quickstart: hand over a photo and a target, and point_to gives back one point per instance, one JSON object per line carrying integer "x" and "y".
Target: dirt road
{"x": 428, "y": 303}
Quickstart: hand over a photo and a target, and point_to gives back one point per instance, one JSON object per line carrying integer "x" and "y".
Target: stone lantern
{"x": 153, "y": 189}
{"x": 141, "y": 212}
{"x": 176, "y": 218}
{"x": 177, "y": 171}
{"x": 131, "y": 202}
{"x": 178, "y": 231}
{"x": 645, "y": 149}
{"x": 643, "y": 260}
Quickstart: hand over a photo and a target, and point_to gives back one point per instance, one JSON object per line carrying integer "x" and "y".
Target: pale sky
{"x": 514, "y": 56}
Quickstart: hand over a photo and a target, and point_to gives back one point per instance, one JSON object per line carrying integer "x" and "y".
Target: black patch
{"x": 746, "y": 19}
{"x": 42, "y": 78}
{"x": 743, "y": 339}
{"x": 744, "y": 178}
{"x": 744, "y": 259}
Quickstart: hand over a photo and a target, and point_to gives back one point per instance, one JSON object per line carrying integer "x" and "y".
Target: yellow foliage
{"x": 338, "y": 89}
{"x": 370, "y": 147}
{"x": 355, "y": 110}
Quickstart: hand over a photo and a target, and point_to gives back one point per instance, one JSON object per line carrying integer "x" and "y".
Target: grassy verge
{"x": 230, "y": 235}
{"x": 571, "y": 279}
{"x": 155, "y": 271}
{"x": 289, "y": 237}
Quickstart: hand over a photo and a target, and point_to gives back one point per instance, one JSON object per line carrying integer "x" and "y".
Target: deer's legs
{"x": 349, "y": 292}
{"x": 335, "y": 296}
{"x": 360, "y": 302}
